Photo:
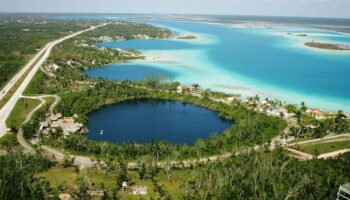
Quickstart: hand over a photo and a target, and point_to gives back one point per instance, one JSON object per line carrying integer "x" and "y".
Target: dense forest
{"x": 17, "y": 176}
{"x": 255, "y": 175}
{"x": 269, "y": 175}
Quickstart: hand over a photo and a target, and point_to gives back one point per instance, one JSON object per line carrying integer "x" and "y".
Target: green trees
{"x": 341, "y": 125}
{"x": 17, "y": 176}
{"x": 268, "y": 175}
{"x": 129, "y": 30}
{"x": 122, "y": 172}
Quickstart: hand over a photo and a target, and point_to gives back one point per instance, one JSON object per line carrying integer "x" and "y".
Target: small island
{"x": 187, "y": 37}
{"x": 329, "y": 46}
{"x": 299, "y": 35}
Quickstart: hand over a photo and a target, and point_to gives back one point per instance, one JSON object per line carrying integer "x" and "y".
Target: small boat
{"x": 101, "y": 133}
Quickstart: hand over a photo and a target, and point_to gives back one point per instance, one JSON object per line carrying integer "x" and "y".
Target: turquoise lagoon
{"x": 249, "y": 61}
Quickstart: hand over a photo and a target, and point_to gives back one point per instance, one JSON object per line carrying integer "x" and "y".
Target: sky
{"x": 299, "y": 8}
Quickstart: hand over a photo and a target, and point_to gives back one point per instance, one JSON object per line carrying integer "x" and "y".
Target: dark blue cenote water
{"x": 146, "y": 120}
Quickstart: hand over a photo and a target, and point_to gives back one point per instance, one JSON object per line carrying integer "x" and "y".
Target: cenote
{"x": 143, "y": 121}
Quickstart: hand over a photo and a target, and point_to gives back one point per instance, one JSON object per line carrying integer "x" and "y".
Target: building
{"x": 54, "y": 67}
{"x": 179, "y": 89}
{"x": 316, "y": 113}
{"x": 105, "y": 39}
{"x": 67, "y": 124}
{"x": 344, "y": 192}
{"x": 139, "y": 190}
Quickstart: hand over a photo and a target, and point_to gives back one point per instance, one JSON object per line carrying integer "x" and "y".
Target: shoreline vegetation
{"x": 328, "y": 46}
{"x": 40, "y": 177}
{"x": 187, "y": 37}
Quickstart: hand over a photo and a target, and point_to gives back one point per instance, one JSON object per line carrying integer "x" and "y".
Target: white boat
{"x": 101, "y": 133}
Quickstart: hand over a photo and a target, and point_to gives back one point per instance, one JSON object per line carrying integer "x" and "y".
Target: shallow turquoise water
{"x": 262, "y": 61}
{"x": 128, "y": 71}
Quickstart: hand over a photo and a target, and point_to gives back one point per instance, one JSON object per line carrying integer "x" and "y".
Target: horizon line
{"x": 147, "y": 13}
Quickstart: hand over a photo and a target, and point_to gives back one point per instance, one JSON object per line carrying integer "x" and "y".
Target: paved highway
{"x": 6, "y": 110}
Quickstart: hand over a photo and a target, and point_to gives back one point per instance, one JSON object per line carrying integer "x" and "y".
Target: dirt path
{"x": 331, "y": 138}
{"x": 333, "y": 154}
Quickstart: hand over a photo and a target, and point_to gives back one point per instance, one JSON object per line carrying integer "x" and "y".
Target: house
{"x": 316, "y": 113}
{"x": 54, "y": 67}
{"x": 139, "y": 190}
{"x": 192, "y": 89}
{"x": 105, "y": 39}
{"x": 72, "y": 62}
{"x": 179, "y": 89}
{"x": 229, "y": 99}
{"x": 266, "y": 104}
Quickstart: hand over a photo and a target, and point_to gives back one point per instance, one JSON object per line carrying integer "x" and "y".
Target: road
{"x": 27, "y": 148}
{"x": 17, "y": 76}
{"x": 6, "y": 110}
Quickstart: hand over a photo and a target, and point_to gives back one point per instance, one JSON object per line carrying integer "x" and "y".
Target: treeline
{"x": 268, "y": 175}
{"x": 250, "y": 127}
{"x": 128, "y": 30}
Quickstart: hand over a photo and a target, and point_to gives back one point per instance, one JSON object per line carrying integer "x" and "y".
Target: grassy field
{"x": 19, "y": 113}
{"x": 68, "y": 180}
{"x": 49, "y": 100}
{"x": 9, "y": 139}
{"x": 321, "y": 148}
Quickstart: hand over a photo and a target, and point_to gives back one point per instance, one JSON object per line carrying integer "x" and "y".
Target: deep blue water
{"x": 147, "y": 120}
{"x": 131, "y": 72}
{"x": 266, "y": 59}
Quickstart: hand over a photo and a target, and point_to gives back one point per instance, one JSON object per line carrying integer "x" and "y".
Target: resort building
{"x": 67, "y": 124}
{"x": 344, "y": 192}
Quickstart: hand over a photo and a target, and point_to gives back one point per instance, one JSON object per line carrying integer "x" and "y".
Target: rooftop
{"x": 346, "y": 187}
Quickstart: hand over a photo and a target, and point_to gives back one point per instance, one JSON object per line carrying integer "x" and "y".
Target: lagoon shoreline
{"x": 187, "y": 61}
